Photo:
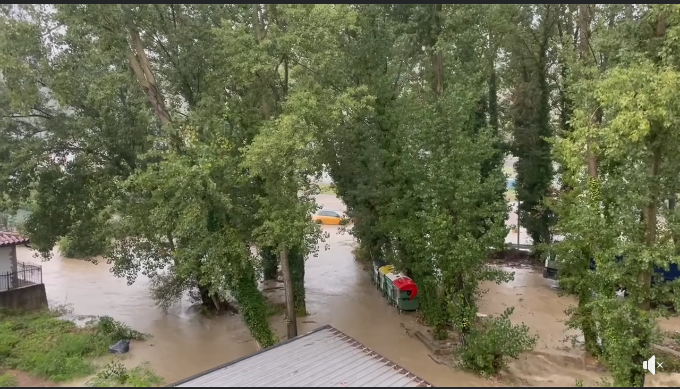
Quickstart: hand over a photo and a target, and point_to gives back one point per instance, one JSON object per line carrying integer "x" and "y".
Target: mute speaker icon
{"x": 650, "y": 365}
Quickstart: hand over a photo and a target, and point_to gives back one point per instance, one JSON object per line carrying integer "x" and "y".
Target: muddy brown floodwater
{"x": 339, "y": 293}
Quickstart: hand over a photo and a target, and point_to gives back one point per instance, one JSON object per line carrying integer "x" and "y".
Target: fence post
{"x": 25, "y": 274}
{"x": 13, "y": 280}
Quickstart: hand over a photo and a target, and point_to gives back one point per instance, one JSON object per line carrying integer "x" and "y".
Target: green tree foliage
{"x": 93, "y": 151}
{"x": 71, "y": 249}
{"x": 413, "y": 169}
{"x": 178, "y": 140}
{"x": 65, "y": 139}
{"x": 270, "y": 267}
{"x": 529, "y": 109}
{"x": 165, "y": 156}
{"x": 270, "y": 263}
{"x": 490, "y": 344}
{"x": 176, "y": 137}
{"x": 625, "y": 122}
{"x": 573, "y": 253}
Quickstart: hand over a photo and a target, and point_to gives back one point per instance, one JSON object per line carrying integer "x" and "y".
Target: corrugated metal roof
{"x": 324, "y": 357}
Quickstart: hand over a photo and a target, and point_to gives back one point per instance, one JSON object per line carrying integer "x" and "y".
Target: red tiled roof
{"x": 12, "y": 239}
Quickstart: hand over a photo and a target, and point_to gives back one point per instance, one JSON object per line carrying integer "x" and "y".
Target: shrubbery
{"x": 115, "y": 374}
{"x": 361, "y": 254}
{"x": 57, "y": 350}
{"x": 489, "y": 344}
{"x": 72, "y": 249}
{"x": 116, "y": 330}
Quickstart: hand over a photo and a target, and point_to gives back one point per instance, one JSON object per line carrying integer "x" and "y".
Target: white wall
{"x": 5, "y": 266}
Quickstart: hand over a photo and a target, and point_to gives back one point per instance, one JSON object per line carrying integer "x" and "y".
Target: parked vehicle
{"x": 327, "y": 217}
{"x": 551, "y": 270}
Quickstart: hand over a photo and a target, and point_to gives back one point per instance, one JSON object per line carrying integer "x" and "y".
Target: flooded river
{"x": 339, "y": 293}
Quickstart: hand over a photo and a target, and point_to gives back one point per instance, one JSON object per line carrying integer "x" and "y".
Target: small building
{"x": 21, "y": 284}
{"x": 324, "y": 357}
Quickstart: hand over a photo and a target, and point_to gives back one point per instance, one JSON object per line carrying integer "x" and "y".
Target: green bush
{"x": 70, "y": 249}
{"x": 8, "y": 381}
{"x": 362, "y": 254}
{"x": 494, "y": 340}
{"x": 115, "y": 374}
{"x": 116, "y": 330}
{"x": 45, "y": 346}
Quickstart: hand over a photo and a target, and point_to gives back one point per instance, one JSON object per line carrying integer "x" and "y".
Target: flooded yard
{"x": 339, "y": 293}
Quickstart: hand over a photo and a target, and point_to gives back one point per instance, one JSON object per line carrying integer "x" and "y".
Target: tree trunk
{"x": 205, "y": 295}
{"x": 584, "y": 50}
{"x": 650, "y": 211}
{"x": 565, "y": 101}
{"x": 672, "y": 203}
{"x": 253, "y": 307}
{"x": 545, "y": 129}
{"x": 629, "y": 12}
{"x": 140, "y": 65}
{"x": 588, "y": 327}
{"x": 535, "y": 168}
{"x": 296, "y": 261}
{"x": 258, "y": 34}
{"x": 270, "y": 263}
{"x": 290, "y": 294}
{"x": 212, "y": 302}
{"x": 650, "y": 216}
{"x": 493, "y": 93}
{"x": 565, "y": 28}
{"x": 246, "y": 292}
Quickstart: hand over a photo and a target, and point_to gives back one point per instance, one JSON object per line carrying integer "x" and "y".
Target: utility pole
{"x": 518, "y": 228}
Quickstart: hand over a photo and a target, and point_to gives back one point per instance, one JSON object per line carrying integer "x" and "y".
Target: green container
{"x": 384, "y": 283}
{"x": 405, "y": 303}
{"x": 386, "y": 286}
{"x": 375, "y": 274}
{"x": 402, "y": 300}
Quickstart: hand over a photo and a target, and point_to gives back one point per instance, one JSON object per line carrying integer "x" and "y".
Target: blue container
{"x": 673, "y": 272}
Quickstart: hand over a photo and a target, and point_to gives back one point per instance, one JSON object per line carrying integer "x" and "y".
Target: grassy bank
{"x": 49, "y": 348}
{"x": 7, "y": 380}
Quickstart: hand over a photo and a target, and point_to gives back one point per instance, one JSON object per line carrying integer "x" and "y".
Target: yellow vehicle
{"x": 327, "y": 217}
